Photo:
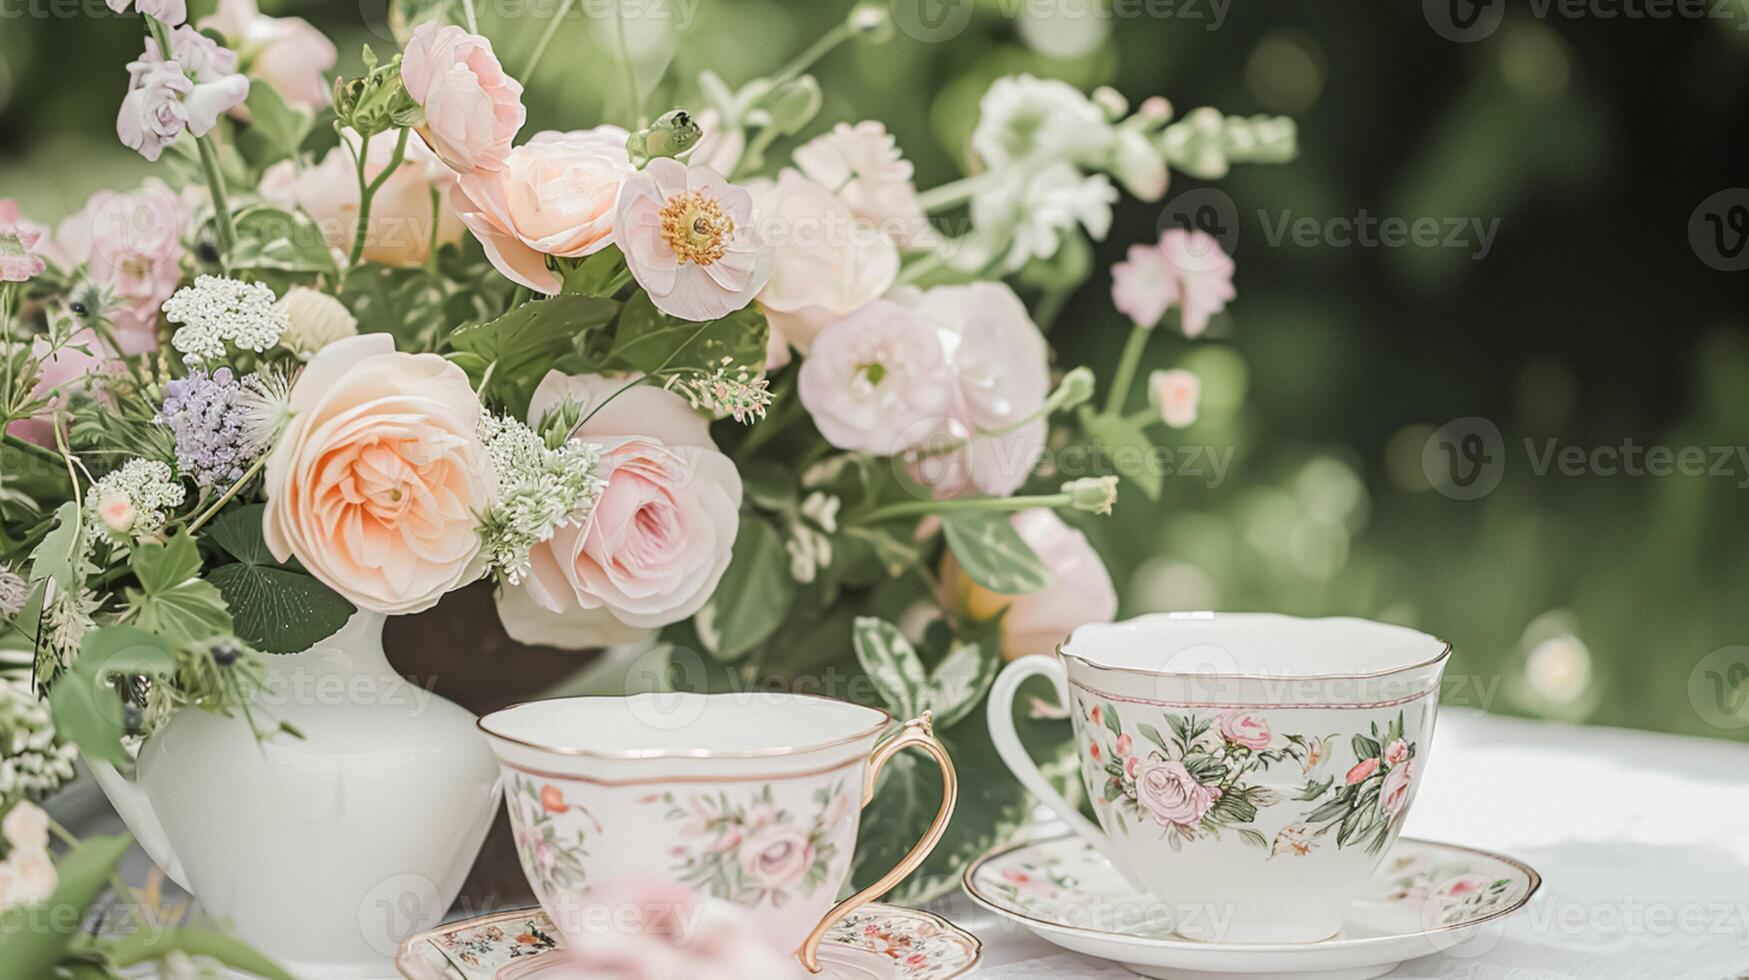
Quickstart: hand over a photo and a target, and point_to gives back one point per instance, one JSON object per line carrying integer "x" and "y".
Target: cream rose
{"x": 1171, "y": 795}
{"x": 661, "y": 534}
{"x": 826, "y": 262}
{"x": 376, "y": 483}
{"x": 472, "y": 108}
{"x": 777, "y": 856}
{"x": 1037, "y": 621}
{"x": 555, "y": 196}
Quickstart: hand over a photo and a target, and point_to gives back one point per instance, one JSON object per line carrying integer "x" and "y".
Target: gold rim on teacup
{"x": 1206, "y": 675}
{"x": 886, "y": 721}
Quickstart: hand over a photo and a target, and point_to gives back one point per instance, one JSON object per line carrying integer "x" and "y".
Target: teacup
{"x": 1249, "y": 771}
{"x": 750, "y": 798}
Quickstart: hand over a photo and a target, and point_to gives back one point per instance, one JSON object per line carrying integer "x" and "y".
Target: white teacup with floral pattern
{"x": 1248, "y": 770}
{"x": 749, "y": 798}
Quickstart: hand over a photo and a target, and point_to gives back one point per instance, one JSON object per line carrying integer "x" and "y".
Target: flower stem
{"x": 468, "y": 12}
{"x": 819, "y": 49}
{"x": 953, "y": 193}
{"x": 628, "y": 386}
{"x": 367, "y": 192}
{"x": 209, "y": 162}
{"x": 1126, "y": 369}
{"x": 625, "y": 60}
{"x": 918, "y": 508}
{"x": 546, "y": 38}
{"x": 230, "y": 494}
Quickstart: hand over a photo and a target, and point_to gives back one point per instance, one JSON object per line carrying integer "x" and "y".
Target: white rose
{"x": 826, "y": 262}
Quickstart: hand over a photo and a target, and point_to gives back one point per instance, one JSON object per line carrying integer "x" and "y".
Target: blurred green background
{"x": 1590, "y": 320}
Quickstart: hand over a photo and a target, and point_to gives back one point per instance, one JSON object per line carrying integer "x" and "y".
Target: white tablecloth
{"x": 1642, "y": 841}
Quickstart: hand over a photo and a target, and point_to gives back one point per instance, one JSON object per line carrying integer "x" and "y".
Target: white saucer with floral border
{"x": 875, "y": 942}
{"x": 1424, "y": 898}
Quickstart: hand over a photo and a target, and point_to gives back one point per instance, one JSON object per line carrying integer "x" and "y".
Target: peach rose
{"x": 661, "y": 534}
{"x": 556, "y": 195}
{"x": 826, "y": 262}
{"x": 375, "y": 484}
{"x": 1037, "y": 621}
{"x": 473, "y": 110}
{"x": 400, "y": 214}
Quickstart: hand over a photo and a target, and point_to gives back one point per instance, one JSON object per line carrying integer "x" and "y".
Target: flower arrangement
{"x": 724, "y": 380}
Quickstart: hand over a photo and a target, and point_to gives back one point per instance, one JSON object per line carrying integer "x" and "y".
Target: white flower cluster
{"x": 540, "y": 488}
{"x": 739, "y": 395}
{"x": 32, "y": 761}
{"x": 216, "y": 310}
{"x": 134, "y": 501}
{"x": 809, "y": 547}
{"x": 14, "y": 592}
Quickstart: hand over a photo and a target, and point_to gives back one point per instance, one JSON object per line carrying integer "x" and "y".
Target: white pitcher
{"x": 322, "y": 852}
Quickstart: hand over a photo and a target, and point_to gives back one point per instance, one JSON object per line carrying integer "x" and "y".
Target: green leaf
{"x": 523, "y": 343}
{"x": 147, "y": 945}
{"x": 34, "y": 938}
{"x": 1152, "y": 734}
{"x": 1127, "y": 446}
{"x": 1254, "y": 838}
{"x": 1366, "y": 748}
{"x": 176, "y": 603}
{"x": 648, "y": 340}
{"x": 86, "y": 707}
{"x": 993, "y": 554}
{"x": 277, "y": 610}
{"x": 754, "y": 596}
{"x": 892, "y": 664}
{"x": 238, "y": 531}
{"x": 280, "y": 127}
{"x": 598, "y": 275}
{"x": 55, "y": 556}
{"x": 271, "y": 239}
{"x": 958, "y": 683}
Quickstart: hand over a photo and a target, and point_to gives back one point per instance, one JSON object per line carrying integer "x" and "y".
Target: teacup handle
{"x": 916, "y": 734}
{"x": 1008, "y": 745}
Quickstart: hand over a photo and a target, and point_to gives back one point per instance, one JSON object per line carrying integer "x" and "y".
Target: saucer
{"x": 1424, "y": 898}
{"x": 875, "y": 942}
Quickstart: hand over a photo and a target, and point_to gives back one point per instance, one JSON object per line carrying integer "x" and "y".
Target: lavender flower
{"x": 202, "y": 411}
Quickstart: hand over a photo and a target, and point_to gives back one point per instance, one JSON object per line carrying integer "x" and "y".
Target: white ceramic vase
{"x": 323, "y": 852}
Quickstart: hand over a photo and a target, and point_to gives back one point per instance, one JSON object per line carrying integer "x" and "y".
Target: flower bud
{"x": 793, "y": 104}
{"x": 1139, "y": 165}
{"x": 1076, "y": 388}
{"x": 1094, "y": 494}
{"x": 1111, "y": 101}
{"x": 315, "y": 320}
{"x": 1176, "y": 394}
{"x": 117, "y": 511}
{"x": 673, "y": 133}
{"x": 873, "y": 21}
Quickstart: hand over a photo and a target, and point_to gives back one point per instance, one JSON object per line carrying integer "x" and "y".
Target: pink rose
{"x": 18, "y": 239}
{"x": 1396, "y": 752}
{"x": 1001, "y": 367}
{"x": 1361, "y": 770}
{"x": 377, "y": 480}
{"x": 58, "y": 375}
{"x": 689, "y": 240}
{"x": 1245, "y": 728}
{"x": 1395, "y": 792}
{"x": 131, "y": 245}
{"x": 876, "y": 380}
{"x": 1037, "y": 621}
{"x": 473, "y": 110}
{"x": 776, "y": 856}
{"x": 1171, "y": 795}
{"x": 825, "y": 261}
{"x": 865, "y": 168}
{"x": 1175, "y": 393}
{"x": 661, "y": 534}
{"x": 653, "y": 929}
{"x": 285, "y": 52}
{"x": 400, "y": 214}
{"x": 556, "y": 195}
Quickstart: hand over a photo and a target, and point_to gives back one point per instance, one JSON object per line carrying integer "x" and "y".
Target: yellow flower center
{"x": 696, "y": 228}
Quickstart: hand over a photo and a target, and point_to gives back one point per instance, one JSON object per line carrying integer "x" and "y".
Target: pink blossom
{"x": 18, "y": 239}
{"x": 877, "y": 380}
{"x": 825, "y": 260}
{"x": 1361, "y": 770}
{"x": 1396, "y": 752}
{"x": 653, "y": 929}
{"x": 285, "y": 52}
{"x": 1082, "y": 591}
{"x": 190, "y": 90}
{"x": 131, "y": 245}
{"x": 863, "y": 165}
{"x": 1175, "y": 393}
{"x": 1171, "y": 795}
{"x": 1124, "y": 745}
{"x": 58, "y": 375}
{"x": 171, "y": 12}
{"x": 473, "y": 110}
{"x": 1395, "y": 792}
{"x": 117, "y": 511}
{"x": 777, "y": 856}
{"x": 1132, "y": 765}
{"x": 1185, "y": 269}
{"x": 1245, "y": 728}
{"x": 689, "y": 240}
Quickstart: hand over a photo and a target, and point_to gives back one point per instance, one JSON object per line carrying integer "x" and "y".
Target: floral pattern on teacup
{"x": 754, "y": 851}
{"x": 551, "y": 835}
{"x": 915, "y": 941}
{"x": 1450, "y": 892}
{"x": 495, "y": 944}
{"x": 1201, "y": 776}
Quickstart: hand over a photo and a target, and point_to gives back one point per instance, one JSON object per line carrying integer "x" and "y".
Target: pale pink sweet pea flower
{"x": 661, "y": 534}
{"x": 864, "y": 166}
{"x": 825, "y": 261}
{"x": 287, "y": 53}
{"x": 1185, "y": 269}
{"x": 131, "y": 245}
{"x": 190, "y": 90}
{"x": 1001, "y": 367}
{"x": 556, "y": 195}
{"x": 377, "y": 481}
{"x": 18, "y": 241}
{"x": 1145, "y": 286}
{"x": 689, "y": 240}
{"x": 171, "y": 12}
{"x": 1082, "y": 591}
{"x": 400, "y": 232}
{"x": 1176, "y": 393}
{"x": 654, "y": 929}
{"x": 877, "y": 381}
{"x": 473, "y": 110}
{"x": 1245, "y": 728}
